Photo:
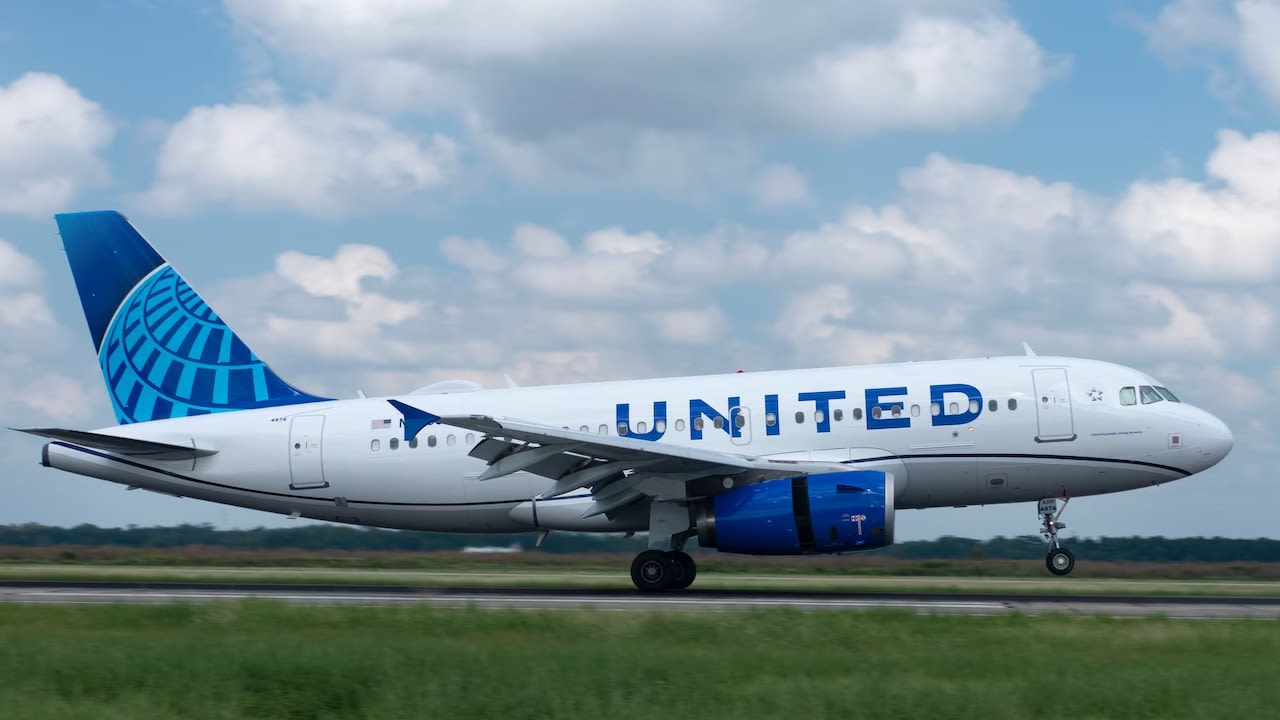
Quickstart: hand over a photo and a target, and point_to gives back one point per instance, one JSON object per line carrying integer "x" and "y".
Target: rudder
{"x": 163, "y": 351}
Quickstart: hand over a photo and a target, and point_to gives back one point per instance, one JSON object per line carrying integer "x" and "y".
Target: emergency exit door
{"x": 306, "y": 465}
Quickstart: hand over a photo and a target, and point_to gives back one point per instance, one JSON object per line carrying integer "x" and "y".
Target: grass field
{"x": 257, "y": 659}
{"x": 512, "y": 573}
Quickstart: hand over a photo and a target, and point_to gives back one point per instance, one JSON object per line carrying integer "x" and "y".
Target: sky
{"x": 381, "y": 194}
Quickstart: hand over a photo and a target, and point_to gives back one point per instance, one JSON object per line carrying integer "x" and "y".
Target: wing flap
{"x": 131, "y": 447}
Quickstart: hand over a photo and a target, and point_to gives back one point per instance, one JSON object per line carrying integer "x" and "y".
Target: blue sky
{"x": 380, "y": 194}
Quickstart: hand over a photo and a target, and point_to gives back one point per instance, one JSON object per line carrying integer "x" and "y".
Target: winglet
{"x": 414, "y": 419}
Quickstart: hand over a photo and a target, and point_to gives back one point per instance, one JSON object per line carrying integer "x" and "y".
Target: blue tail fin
{"x": 164, "y": 353}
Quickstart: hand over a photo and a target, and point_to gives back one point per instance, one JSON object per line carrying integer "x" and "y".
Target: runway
{"x": 1184, "y": 606}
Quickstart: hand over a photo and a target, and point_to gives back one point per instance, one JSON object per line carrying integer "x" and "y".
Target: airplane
{"x": 791, "y": 462}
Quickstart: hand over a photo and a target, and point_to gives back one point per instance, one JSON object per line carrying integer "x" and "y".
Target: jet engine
{"x": 827, "y": 513}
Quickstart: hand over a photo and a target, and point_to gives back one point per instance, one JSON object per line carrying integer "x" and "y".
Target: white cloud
{"x": 667, "y": 95}
{"x": 1214, "y": 32}
{"x": 1185, "y": 333}
{"x": 1227, "y": 231}
{"x": 32, "y": 389}
{"x": 691, "y": 326}
{"x": 50, "y": 140}
{"x": 25, "y": 314}
{"x": 935, "y": 73}
{"x": 359, "y": 325}
{"x": 781, "y": 186}
{"x": 473, "y": 254}
{"x": 313, "y": 159}
{"x": 1259, "y": 28}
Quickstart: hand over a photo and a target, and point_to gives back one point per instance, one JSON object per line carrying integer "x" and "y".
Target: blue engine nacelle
{"x": 828, "y": 513}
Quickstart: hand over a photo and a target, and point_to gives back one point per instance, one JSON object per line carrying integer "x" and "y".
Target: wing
{"x": 131, "y": 447}
{"x": 618, "y": 470}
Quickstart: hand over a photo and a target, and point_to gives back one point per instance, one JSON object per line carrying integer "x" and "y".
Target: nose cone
{"x": 1215, "y": 440}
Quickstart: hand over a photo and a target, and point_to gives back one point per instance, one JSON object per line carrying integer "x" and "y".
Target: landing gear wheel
{"x": 686, "y": 570}
{"x": 653, "y": 571}
{"x": 1060, "y": 561}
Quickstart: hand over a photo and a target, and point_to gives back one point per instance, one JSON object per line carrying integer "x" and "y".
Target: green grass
{"x": 258, "y": 659}
{"x": 515, "y": 574}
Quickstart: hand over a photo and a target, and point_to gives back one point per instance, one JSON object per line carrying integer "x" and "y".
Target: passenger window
{"x": 770, "y": 419}
{"x": 431, "y": 441}
{"x": 875, "y": 412}
{"x": 375, "y": 445}
{"x": 896, "y": 411}
{"x": 993, "y": 405}
{"x": 679, "y": 424}
{"x": 818, "y": 416}
{"x": 837, "y": 414}
{"x": 1148, "y": 395}
{"x": 413, "y": 444}
{"x": 642, "y": 427}
{"x": 935, "y": 409}
{"x": 1164, "y": 393}
{"x": 799, "y": 417}
{"x": 974, "y": 407}
{"x": 471, "y": 438}
{"x": 915, "y": 411}
{"x": 718, "y": 422}
{"x": 1013, "y": 404}
{"x": 857, "y": 413}
{"x": 584, "y": 428}
{"x": 953, "y": 408}
{"x": 660, "y": 425}
{"x": 1128, "y": 396}
{"x": 698, "y": 424}
{"x": 622, "y": 428}
{"x": 604, "y": 430}
{"x": 451, "y": 440}
{"x": 740, "y": 420}
{"x": 394, "y": 443}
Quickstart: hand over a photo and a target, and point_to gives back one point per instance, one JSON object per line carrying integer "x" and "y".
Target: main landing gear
{"x": 1059, "y": 560}
{"x": 665, "y": 565}
{"x": 656, "y": 570}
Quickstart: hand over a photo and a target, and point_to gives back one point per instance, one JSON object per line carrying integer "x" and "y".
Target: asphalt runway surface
{"x": 1178, "y": 606}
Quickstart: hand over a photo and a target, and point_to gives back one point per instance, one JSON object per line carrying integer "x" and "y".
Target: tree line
{"x": 344, "y": 538}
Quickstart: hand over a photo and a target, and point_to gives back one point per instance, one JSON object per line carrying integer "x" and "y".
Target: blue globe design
{"x": 167, "y": 354}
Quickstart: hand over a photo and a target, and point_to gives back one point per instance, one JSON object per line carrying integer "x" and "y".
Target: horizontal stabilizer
{"x": 131, "y": 447}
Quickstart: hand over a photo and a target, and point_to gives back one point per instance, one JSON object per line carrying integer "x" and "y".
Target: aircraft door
{"x": 1054, "y": 421}
{"x": 306, "y": 467}
{"x": 740, "y": 425}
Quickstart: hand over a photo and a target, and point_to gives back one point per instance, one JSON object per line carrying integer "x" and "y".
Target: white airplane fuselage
{"x": 1038, "y": 427}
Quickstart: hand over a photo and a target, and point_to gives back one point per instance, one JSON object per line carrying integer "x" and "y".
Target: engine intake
{"x": 828, "y": 513}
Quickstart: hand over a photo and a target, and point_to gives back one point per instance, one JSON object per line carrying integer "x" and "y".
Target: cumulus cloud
{"x": 33, "y": 341}
{"x": 660, "y": 94}
{"x": 314, "y": 159}
{"x": 1227, "y": 37}
{"x": 1228, "y": 230}
{"x": 51, "y": 138}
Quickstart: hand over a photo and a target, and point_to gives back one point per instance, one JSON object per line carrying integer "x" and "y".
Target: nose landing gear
{"x": 1059, "y": 560}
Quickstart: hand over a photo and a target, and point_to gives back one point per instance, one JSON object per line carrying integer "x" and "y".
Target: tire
{"x": 686, "y": 571}
{"x": 652, "y": 571}
{"x": 1060, "y": 561}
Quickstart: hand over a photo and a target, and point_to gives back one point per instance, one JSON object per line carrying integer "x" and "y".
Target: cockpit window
{"x": 1128, "y": 396}
{"x": 1164, "y": 393}
{"x": 1149, "y": 394}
